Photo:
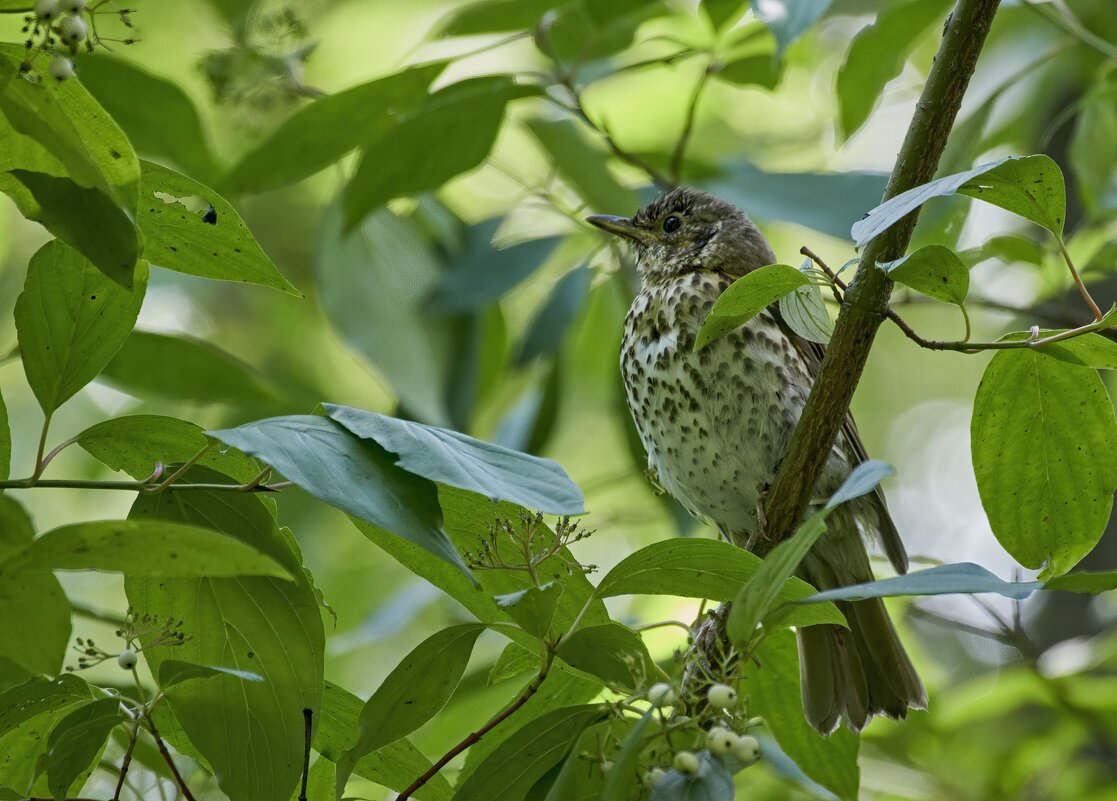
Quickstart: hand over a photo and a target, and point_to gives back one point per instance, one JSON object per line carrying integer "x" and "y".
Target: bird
{"x": 716, "y": 421}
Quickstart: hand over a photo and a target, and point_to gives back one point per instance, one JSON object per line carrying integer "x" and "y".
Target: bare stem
{"x": 177, "y": 474}
{"x": 866, "y": 302}
{"x": 476, "y": 736}
{"x": 1078, "y": 280}
{"x": 675, "y": 170}
{"x": 308, "y": 721}
{"x": 127, "y": 761}
{"x": 40, "y": 463}
{"x": 134, "y": 486}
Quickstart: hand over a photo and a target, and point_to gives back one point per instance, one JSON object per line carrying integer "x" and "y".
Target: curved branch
{"x": 867, "y": 300}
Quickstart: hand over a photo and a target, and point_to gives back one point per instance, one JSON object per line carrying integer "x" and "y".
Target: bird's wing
{"x": 893, "y": 547}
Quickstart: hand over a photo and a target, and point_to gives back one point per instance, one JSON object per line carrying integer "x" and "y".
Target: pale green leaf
{"x": 71, "y": 319}
{"x": 747, "y": 297}
{"x": 934, "y": 271}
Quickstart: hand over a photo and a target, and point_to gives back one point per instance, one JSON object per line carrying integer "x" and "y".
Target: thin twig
{"x": 127, "y": 760}
{"x": 476, "y": 736}
{"x": 177, "y": 474}
{"x": 678, "y": 155}
{"x": 182, "y": 785}
{"x": 39, "y": 465}
{"x": 133, "y": 486}
{"x": 1075, "y": 28}
{"x": 1082, "y": 290}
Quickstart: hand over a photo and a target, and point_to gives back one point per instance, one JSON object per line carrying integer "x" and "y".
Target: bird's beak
{"x": 618, "y": 226}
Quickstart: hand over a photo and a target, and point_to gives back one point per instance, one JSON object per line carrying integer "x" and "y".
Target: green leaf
{"x": 1029, "y": 186}
{"x": 700, "y": 568}
{"x": 876, "y": 56}
{"x": 1093, "y": 149}
{"x": 789, "y": 19}
{"x": 757, "y": 596}
{"x": 22, "y": 750}
{"x": 185, "y": 369}
{"x": 1084, "y": 581}
{"x": 413, "y": 693}
{"x": 514, "y": 660}
{"x": 33, "y": 606}
{"x": 86, "y": 220}
{"x": 1044, "y": 446}
{"x": 373, "y": 285}
{"x": 713, "y": 783}
{"x": 761, "y": 69}
{"x": 801, "y": 198}
{"x": 157, "y": 115}
{"x": 608, "y": 652}
{"x": 521, "y": 760}
{"x": 38, "y": 695}
{"x": 747, "y": 297}
{"x": 584, "y": 165}
{"x": 805, "y": 313}
{"x": 5, "y": 442}
{"x": 721, "y": 12}
{"x": 551, "y": 322}
{"x": 395, "y": 766}
{"x": 70, "y": 125}
{"x": 76, "y": 742}
{"x": 622, "y": 777}
{"x": 467, "y": 517}
{"x": 534, "y": 608}
{"x": 322, "y": 132}
{"x": 357, "y": 476}
{"x": 173, "y": 218}
{"x": 134, "y": 444}
{"x": 175, "y": 671}
{"x": 457, "y": 460}
{"x": 1005, "y": 247}
{"x": 774, "y": 694}
{"x": 1087, "y": 350}
{"x": 250, "y": 733}
{"x": 964, "y": 577}
{"x": 494, "y": 16}
{"x": 483, "y": 273}
{"x": 934, "y": 271}
{"x": 71, "y": 319}
{"x": 467, "y": 113}
{"x": 147, "y": 548}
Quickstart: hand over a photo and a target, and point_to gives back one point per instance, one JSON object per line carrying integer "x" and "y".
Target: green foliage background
{"x": 407, "y": 309}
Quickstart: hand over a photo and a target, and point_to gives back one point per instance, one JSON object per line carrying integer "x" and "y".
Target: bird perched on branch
{"x": 716, "y": 422}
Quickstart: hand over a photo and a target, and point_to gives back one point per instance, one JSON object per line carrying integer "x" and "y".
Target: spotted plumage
{"x": 716, "y": 421}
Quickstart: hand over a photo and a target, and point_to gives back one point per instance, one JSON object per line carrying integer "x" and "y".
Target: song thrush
{"x": 716, "y": 422}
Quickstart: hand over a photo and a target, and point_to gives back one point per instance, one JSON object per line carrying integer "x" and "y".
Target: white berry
{"x": 662, "y": 694}
{"x": 46, "y": 10}
{"x": 127, "y": 659}
{"x": 687, "y": 763}
{"x": 747, "y": 749}
{"x": 61, "y": 68}
{"x": 721, "y": 696}
{"x": 652, "y": 777}
{"x": 719, "y": 741}
{"x": 73, "y": 6}
{"x": 72, "y": 30}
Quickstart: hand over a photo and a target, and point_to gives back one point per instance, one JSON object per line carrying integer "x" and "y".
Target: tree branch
{"x": 473, "y": 738}
{"x": 866, "y": 303}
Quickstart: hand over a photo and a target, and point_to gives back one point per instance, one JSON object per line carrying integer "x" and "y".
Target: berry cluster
{"x": 68, "y": 24}
{"x": 145, "y": 627}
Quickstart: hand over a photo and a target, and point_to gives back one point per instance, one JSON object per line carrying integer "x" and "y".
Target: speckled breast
{"x": 714, "y": 422}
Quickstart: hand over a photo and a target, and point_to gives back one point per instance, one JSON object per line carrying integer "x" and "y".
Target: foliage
{"x": 422, "y": 225}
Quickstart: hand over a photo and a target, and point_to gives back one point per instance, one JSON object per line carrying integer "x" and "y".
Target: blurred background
{"x": 419, "y": 318}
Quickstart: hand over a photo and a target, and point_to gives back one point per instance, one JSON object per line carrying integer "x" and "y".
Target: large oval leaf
{"x": 1044, "y": 446}
{"x": 461, "y": 461}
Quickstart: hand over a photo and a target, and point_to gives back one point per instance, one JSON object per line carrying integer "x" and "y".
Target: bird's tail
{"x": 855, "y": 673}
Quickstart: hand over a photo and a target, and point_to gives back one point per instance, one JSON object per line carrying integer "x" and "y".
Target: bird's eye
{"x": 672, "y": 224}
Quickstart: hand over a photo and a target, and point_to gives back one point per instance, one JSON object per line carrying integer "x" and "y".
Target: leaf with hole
{"x": 191, "y": 229}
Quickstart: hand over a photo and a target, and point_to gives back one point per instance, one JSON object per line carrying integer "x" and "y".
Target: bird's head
{"x": 686, "y": 230}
